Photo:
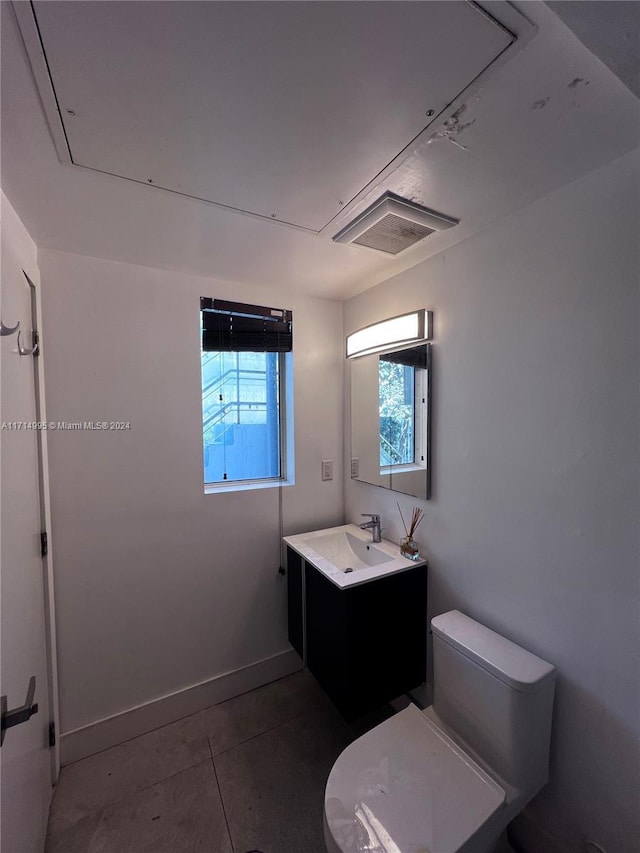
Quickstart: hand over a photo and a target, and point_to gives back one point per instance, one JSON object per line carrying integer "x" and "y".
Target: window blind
{"x": 413, "y": 357}
{"x": 236, "y": 327}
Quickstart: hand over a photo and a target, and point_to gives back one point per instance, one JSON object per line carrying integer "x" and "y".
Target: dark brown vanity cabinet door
{"x": 366, "y": 644}
{"x": 327, "y": 635}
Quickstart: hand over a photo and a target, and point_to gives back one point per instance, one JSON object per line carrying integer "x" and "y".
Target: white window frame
{"x": 286, "y": 426}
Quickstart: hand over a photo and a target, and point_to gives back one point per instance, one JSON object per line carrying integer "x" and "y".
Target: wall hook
{"x": 8, "y": 330}
{"x": 34, "y": 349}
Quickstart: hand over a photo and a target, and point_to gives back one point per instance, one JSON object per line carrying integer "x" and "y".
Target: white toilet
{"x": 448, "y": 779}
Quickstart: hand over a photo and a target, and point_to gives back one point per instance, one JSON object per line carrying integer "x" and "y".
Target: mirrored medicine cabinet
{"x": 391, "y": 420}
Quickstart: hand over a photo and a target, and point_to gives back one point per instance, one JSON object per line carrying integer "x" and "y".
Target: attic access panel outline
{"x": 330, "y": 93}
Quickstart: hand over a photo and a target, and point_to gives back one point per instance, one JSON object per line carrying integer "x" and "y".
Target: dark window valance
{"x": 413, "y": 357}
{"x": 236, "y": 327}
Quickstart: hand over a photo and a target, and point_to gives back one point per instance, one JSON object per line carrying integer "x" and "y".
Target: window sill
{"x": 245, "y": 486}
{"x": 401, "y": 469}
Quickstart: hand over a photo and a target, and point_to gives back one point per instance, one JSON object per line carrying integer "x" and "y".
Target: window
{"x": 402, "y": 378}
{"x": 245, "y": 355}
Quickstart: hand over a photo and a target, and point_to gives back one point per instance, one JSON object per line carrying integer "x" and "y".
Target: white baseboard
{"x": 113, "y": 730}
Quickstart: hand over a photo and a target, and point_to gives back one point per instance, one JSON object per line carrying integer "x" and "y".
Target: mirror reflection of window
{"x": 402, "y": 392}
{"x": 396, "y": 383}
{"x": 390, "y": 419}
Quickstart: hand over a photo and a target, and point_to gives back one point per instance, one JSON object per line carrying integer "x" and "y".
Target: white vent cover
{"x": 392, "y": 224}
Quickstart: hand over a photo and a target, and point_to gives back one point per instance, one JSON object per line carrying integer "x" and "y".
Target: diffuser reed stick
{"x": 402, "y": 517}
{"x": 416, "y": 518}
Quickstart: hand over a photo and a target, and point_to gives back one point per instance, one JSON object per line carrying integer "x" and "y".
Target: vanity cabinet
{"x": 365, "y": 644}
{"x": 295, "y": 603}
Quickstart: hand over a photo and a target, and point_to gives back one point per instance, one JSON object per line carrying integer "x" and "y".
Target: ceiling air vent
{"x": 392, "y": 224}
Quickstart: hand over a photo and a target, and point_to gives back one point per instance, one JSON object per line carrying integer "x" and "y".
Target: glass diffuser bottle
{"x": 408, "y": 546}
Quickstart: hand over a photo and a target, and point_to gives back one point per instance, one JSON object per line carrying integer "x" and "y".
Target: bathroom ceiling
{"x": 284, "y": 110}
{"x": 610, "y": 29}
{"x": 191, "y": 124}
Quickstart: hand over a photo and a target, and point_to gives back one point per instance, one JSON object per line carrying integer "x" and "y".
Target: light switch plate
{"x": 355, "y": 467}
{"x": 327, "y": 469}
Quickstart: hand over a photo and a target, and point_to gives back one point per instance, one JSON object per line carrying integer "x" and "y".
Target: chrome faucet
{"x": 373, "y": 525}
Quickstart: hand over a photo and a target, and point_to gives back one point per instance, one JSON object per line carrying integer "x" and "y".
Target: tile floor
{"x": 245, "y": 775}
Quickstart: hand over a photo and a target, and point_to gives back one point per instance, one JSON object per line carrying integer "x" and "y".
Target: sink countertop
{"x": 396, "y": 562}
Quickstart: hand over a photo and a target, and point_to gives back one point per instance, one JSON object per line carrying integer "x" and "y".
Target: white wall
{"x": 533, "y": 526}
{"x": 160, "y": 586}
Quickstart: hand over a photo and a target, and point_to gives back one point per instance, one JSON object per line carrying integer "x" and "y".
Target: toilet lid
{"x": 405, "y": 787}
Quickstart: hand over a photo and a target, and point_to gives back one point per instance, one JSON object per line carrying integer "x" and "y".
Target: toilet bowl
{"x": 450, "y": 778}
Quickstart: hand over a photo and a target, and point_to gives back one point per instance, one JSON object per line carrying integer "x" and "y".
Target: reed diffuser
{"x": 408, "y": 546}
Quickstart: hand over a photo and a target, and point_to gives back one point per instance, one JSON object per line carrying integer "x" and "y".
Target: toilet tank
{"x": 496, "y": 697}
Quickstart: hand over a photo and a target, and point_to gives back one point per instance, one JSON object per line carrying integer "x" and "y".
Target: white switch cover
{"x": 327, "y": 469}
{"x": 355, "y": 467}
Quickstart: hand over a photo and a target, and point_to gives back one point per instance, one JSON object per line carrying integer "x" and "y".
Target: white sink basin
{"x": 347, "y": 555}
{"x": 346, "y": 551}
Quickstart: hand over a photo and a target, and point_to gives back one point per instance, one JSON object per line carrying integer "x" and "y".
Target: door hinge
{"x": 44, "y": 544}
{"x": 52, "y": 734}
